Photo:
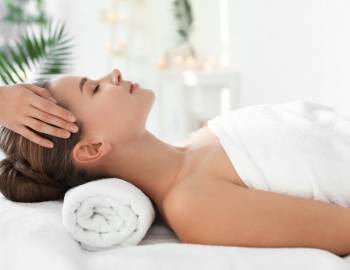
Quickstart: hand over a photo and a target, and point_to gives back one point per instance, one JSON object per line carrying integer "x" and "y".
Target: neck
{"x": 148, "y": 163}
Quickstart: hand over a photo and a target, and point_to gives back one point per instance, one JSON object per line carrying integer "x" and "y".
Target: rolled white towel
{"x": 107, "y": 213}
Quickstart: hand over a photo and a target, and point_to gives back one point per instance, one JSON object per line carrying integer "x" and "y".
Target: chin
{"x": 154, "y": 97}
{"x": 150, "y": 92}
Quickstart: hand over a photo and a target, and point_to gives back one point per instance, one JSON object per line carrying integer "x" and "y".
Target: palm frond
{"x": 184, "y": 19}
{"x": 39, "y": 54}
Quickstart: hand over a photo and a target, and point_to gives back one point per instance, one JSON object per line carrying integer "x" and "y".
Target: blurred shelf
{"x": 189, "y": 98}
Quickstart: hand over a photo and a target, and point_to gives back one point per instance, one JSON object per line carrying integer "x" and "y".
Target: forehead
{"x": 65, "y": 87}
{"x": 66, "y": 80}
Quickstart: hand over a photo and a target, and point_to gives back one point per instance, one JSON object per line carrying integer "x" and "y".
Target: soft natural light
{"x": 207, "y": 101}
{"x": 224, "y": 32}
{"x": 225, "y": 99}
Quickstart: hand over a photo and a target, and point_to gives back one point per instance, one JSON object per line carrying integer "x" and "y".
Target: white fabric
{"x": 107, "y": 213}
{"x": 299, "y": 148}
{"x": 32, "y": 237}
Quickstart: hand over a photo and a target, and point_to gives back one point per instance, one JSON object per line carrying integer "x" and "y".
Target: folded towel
{"x": 107, "y": 213}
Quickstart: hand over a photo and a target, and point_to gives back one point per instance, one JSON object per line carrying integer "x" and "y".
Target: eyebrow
{"x": 47, "y": 85}
{"x": 81, "y": 84}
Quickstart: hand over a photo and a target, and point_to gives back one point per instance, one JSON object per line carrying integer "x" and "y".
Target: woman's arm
{"x": 221, "y": 213}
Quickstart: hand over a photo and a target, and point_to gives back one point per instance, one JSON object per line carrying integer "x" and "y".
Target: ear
{"x": 86, "y": 153}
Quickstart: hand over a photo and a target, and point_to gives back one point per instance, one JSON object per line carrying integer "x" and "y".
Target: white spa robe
{"x": 299, "y": 148}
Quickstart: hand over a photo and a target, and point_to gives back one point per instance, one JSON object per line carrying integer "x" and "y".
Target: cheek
{"x": 112, "y": 113}
{"x": 113, "y": 102}
{"x": 107, "y": 115}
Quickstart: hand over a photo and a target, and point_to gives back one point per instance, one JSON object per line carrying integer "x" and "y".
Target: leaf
{"x": 17, "y": 12}
{"x": 184, "y": 18}
{"x": 4, "y": 65}
{"x": 42, "y": 53}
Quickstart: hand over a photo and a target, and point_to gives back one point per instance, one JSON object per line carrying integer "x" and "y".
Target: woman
{"x": 194, "y": 185}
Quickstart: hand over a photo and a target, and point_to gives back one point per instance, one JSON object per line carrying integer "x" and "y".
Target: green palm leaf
{"x": 40, "y": 54}
{"x": 184, "y": 19}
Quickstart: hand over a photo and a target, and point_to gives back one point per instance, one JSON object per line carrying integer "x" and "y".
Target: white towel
{"x": 300, "y": 148}
{"x": 107, "y": 213}
{"x": 33, "y": 238}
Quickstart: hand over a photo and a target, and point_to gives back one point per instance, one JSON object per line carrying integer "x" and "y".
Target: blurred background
{"x": 200, "y": 57}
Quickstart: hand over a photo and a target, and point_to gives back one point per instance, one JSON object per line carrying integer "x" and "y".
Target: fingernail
{"x": 49, "y": 145}
{"x": 74, "y": 128}
{"x": 52, "y": 99}
{"x": 72, "y": 118}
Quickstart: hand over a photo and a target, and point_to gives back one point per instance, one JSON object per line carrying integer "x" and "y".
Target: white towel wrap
{"x": 300, "y": 148}
{"x": 107, "y": 213}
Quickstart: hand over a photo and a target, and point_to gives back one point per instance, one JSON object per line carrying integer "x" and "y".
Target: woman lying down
{"x": 270, "y": 175}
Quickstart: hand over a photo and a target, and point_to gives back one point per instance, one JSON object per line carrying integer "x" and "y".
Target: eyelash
{"x": 96, "y": 89}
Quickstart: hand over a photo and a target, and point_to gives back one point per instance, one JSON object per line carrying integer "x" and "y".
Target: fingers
{"x": 40, "y": 91}
{"x": 30, "y": 135}
{"x": 51, "y": 119}
{"x": 47, "y": 106}
{"x": 46, "y": 128}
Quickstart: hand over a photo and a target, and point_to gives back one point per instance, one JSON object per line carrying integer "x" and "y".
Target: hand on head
{"x": 27, "y": 105}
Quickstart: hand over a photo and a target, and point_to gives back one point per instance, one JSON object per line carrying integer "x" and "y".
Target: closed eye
{"x": 96, "y": 88}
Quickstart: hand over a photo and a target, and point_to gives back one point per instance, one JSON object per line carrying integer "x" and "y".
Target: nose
{"x": 117, "y": 76}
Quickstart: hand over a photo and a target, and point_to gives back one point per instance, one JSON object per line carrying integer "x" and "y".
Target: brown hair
{"x": 32, "y": 173}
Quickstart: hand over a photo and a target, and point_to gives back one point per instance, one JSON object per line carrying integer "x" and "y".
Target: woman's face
{"x": 105, "y": 106}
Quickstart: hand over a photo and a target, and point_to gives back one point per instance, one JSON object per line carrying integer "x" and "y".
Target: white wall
{"x": 159, "y": 29}
{"x": 336, "y": 48}
{"x": 295, "y": 50}
{"x": 90, "y": 33}
{"x": 285, "y": 50}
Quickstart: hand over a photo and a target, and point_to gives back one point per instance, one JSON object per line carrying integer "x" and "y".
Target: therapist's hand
{"x": 26, "y": 105}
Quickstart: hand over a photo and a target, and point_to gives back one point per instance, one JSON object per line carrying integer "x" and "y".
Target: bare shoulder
{"x": 221, "y": 213}
{"x": 189, "y": 203}
{"x": 174, "y": 206}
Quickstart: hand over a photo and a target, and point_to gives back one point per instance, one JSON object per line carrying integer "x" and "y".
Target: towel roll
{"x": 107, "y": 213}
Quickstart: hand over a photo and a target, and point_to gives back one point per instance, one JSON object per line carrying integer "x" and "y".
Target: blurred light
{"x": 123, "y": 17}
{"x": 118, "y": 48}
{"x": 209, "y": 63}
{"x": 109, "y": 16}
{"x": 190, "y": 78}
{"x": 190, "y": 62}
{"x": 178, "y": 59}
{"x": 161, "y": 63}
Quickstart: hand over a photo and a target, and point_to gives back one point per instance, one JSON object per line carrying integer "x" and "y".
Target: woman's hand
{"x": 26, "y": 105}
